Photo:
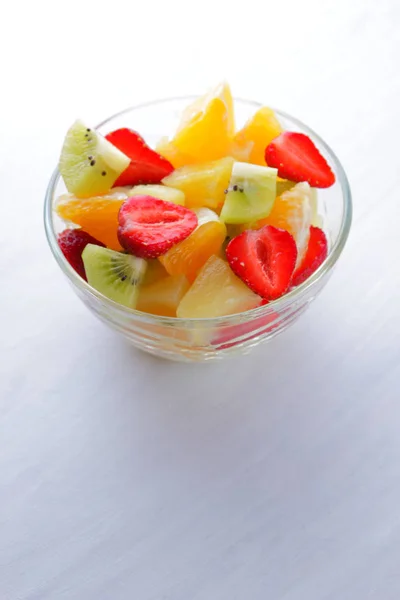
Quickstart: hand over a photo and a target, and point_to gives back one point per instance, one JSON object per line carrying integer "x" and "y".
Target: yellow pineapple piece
{"x": 154, "y": 272}
{"x": 169, "y": 151}
{"x": 162, "y": 192}
{"x": 163, "y": 297}
{"x": 216, "y": 292}
{"x": 203, "y": 184}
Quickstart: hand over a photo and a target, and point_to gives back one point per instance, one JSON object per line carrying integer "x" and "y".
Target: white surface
{"x": 274, "y": 476}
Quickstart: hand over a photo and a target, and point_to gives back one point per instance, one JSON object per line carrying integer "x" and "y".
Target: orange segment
{"x": 204, "y": 184}
{"x": 187, "y": 257}
{"x": 169, "y": 151}
{"x": 250, "y": 142}
{"x": 283, "y": 185}
{"x": 293, "y": 211}
{"x": 163, "y": 297}
{"x": 97, "y": 215}
{"x": 207, "y": 126}
{"x": 216, "y": 292}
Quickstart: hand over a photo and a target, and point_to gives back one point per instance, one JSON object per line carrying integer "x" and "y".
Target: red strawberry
{"x": 264, "y": 260}
{"x": 147, "y": 166}
{"x": 72, "y": 243}
{"x": 149, "y": 227}
{"x": 317, "y": 251}
{"x": 298, "y": 159}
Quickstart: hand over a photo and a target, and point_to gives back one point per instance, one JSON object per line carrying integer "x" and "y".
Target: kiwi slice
{"x": 116, "y": 275}
{"x": 89, "y": 164}
{"x": 251, "y": 194}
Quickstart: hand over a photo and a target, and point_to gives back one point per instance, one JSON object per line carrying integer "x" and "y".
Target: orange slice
{"x": 97, "y": 215}
{"x": 207, "y": 126}
{"x": 250, "y": 142}
{"x": 187, "y": 257}
{"x": 293, "y": 211}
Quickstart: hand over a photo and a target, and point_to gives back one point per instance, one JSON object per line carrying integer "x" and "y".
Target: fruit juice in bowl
{"x": 208, "y": 233}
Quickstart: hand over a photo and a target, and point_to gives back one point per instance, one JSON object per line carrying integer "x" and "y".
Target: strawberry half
{"x": 264, "y": 260}
{"x": 297, "y": 158}
{"x": 317, "y": 251}
{"x": 149, "y": 227}
{"x": 147, "y": 166}
{"x": 72, "y": 243}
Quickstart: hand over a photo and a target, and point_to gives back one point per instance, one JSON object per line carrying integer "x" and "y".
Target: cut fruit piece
{"x": 297, "y": 158}
{"x": 284, "y": 185}
{"x": 203, "y": 185}
{"x": 116, "y": 275}
{"x": 250, "y": 142}
{"x": 207, "y": 127}
{"x": 146, "y": 165}
{"x": 251, "y": 194}
{"x": 293, "y": 212}
{"x": 89, "y": 164}
{"x": 154, "y": 272}
{"x": 162, "y": 192}
{"x": 169, "y": 151}
{"x": 149, "y": 227}
{"x": 187, "y": 257}
{"x": 317, "y": 251}
{"x": 264, "y": 260}
{"x": 216, "y": 292}
{"x": 72, "y": 243}
{"x": 97, "y": 215}
{"x": 163, "y": 297}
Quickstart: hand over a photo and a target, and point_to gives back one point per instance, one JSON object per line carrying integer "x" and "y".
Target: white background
{"x": 273, "y": 476}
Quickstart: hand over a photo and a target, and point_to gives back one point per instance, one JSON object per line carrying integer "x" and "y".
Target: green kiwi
{"x": 251, "y": 194}
{"x": 116, "y": 275}
{"x": 89, "y": 164}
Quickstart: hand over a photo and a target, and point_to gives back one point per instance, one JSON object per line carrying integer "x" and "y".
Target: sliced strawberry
{"x": 72, "y": 243}
{"x": 264, "y": 260}
{"x": 147, "y": 166}
{"x": 149, "y": 227}
{"x": 317, "y": 251}
{"x": 298, "y": 159}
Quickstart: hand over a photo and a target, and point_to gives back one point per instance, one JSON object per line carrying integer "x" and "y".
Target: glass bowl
{"x": 207, "y": 339}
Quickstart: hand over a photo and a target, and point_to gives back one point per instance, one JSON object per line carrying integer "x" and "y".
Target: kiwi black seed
{"x": 114, "y": 274}
{"x": 119, "y": 270}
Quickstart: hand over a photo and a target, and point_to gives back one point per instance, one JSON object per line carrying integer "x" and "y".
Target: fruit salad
{"x": 213, "y": 221}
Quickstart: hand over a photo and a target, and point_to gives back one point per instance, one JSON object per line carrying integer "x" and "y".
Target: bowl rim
{"x": 275, "y": 306}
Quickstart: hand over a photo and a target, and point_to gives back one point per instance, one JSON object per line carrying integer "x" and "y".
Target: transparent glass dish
{"x": 207, "y": 339}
